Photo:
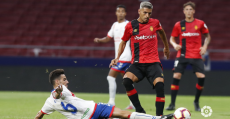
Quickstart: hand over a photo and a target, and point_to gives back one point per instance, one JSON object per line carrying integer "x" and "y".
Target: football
{"x": 182, "y": 113}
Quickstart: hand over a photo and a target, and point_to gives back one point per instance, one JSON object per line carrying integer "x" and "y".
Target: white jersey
{"x": 116, "y": 32}
{"x": 69, "y": 105}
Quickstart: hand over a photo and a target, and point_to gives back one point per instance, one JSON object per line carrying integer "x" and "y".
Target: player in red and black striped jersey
{"x": 142, "y": 33}
{"x": 189, "y": 50}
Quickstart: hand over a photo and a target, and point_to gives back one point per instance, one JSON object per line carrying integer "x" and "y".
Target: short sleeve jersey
{"x": 69, "y": 105}
{"x": 143, "y": 37}
{"x": 116, "y": 32}
{"x": 190, "y": 37}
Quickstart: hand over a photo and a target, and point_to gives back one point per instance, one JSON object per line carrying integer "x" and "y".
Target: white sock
{"x": 112, "y": 89}
{"x": 136, "y": 115}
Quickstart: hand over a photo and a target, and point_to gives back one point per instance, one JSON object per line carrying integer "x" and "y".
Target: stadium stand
{"x": 78, "y": 22}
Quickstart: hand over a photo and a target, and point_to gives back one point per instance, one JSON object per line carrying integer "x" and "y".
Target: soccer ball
{"x": 182, "y": 113}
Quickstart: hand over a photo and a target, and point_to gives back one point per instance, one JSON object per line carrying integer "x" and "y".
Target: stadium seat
{"x": 79, "y": 53}
{"x": 78, "y": 22}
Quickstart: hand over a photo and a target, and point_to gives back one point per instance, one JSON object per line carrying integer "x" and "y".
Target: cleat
{"x": 169, "y": 116}
{"x": 170, "y": 107}
{"x": 130, "y": 107}
{"x": 197, "y": 107}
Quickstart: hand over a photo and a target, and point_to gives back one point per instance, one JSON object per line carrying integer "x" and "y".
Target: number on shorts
{"x": 74, "y": 111}
{"x": 176, "y": 63}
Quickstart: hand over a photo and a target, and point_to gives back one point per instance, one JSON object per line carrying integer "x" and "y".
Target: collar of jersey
{"x": 142, "y": 23}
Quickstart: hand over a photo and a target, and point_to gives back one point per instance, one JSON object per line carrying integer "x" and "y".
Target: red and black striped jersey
{"x": 143, "y": 39}
{"x": 190, "y": 37}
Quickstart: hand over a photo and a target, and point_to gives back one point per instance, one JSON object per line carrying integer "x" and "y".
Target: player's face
{"x": 145, "y": 14}
{"x": 63, "y": 80}
{"x": 120, "y": 12}
{"x": 189, "y": 11}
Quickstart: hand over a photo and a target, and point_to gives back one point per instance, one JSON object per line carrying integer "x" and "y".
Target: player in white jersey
{"x": 116, "y": 32}
{"x": 65, "y": 102}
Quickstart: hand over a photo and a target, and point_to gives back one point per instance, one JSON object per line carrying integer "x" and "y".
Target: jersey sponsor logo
{"x": 85, "y": 113}
{"x": 151, "y": 28}
{"x": 144, "y": 37}
{"x": 190, "y": 34}
{"x": 196, "y": 27}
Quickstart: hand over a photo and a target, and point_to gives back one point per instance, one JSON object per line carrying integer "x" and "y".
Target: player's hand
{"x": 59, "y": 89}
{"x": 203, "y": 50}
{"x": 96, "y": 40}
{"x": 166, "y": 52}
{"x": 177, "y": 47}
{"x": 113, "y": 62}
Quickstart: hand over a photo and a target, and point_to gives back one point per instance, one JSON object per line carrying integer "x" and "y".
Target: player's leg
{"x": 133, "y": 74}
{"x": 130, "y": 106}
{"x": 112, "y": 85}
{"x": 198, "y": 68}
{"x": 155, "y": 76}
{"x": 179, "y": 67}
{"x": 124, "y": 68}
{"x": 118, "y": 113}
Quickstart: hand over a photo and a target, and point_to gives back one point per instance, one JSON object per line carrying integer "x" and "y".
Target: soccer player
{"x": 65, "y": 102}
{"x": 189, "y": 50}
{"x": 116, "y": 32}
{"x": 145, "y": 58}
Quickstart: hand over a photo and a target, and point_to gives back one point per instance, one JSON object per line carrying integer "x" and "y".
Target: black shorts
{"x": 181, "y": 63}
{"x": 149, "y": 70}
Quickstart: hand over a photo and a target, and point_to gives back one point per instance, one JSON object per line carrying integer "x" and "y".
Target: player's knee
{"x": 177, "y": 75}
{"x": 109, "y": 78}
{"x": 127, "y": 82}
{"x": 200, "y": 75}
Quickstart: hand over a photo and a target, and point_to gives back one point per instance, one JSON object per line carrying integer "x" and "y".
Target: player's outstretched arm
{"x": 120, "y": 51}
{"x": 39, "y": 115}
{"x": 102, "y": 40}
{"x": 58, "y": 90}
{"x": 207, "y": 40}
{"x": 165, "y": 41}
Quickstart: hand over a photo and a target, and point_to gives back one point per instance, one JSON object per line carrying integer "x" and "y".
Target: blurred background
{"x": 38, "y": 36}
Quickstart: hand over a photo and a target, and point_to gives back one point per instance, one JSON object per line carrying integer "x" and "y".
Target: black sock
{"x": 160, "y": 98}
{"x": 174, "y": 90}
{"x": 132, "y": 94}
{"x": 199, "y": 89}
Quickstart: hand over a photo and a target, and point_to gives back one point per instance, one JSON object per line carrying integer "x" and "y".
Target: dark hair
{"x": 121, "y": 6}
{"x": 55, "y": 74}
{"x": 192, "y": 4}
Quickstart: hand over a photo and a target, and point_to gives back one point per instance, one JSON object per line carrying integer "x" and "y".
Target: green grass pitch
{"x": 25, "y": 105}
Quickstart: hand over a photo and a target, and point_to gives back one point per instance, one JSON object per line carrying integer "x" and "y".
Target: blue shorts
{"x": 121, "y": 67}
{"x": 103, "y": 111}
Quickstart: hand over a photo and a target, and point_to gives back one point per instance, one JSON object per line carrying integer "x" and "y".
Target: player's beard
{"x": 146, "y": 20}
